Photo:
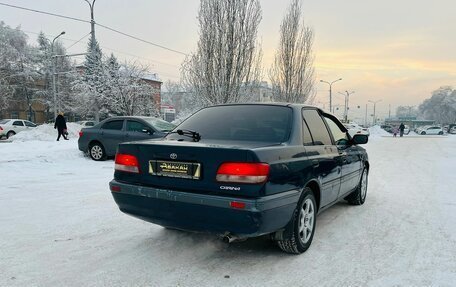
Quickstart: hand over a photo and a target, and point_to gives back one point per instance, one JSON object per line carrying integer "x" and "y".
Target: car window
{"x": 134, "y": 126}
{"x": 89, "y": 124}
{"x": 317, "y": 127}
{"x": 160, "y": 125}
{"x": 258, "y": 123}
{"x": 18, "y": 123}
{"x": 29, "y": 124}
{"x": 340, "y": 137}
{"x": 2, "y": 122}
{"x": 306, "y": 136}
{"x": 113, "y": 125}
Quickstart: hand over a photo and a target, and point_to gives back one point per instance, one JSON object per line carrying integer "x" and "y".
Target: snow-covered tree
{"x": 6, "y": 94}
{"x": 18, "y": 65}
{"x": 64, "y": 78}
{"x": 92, "y": 85}
{"x": 227, "y": 55}
{"x": 441, "y": 107}
{"x": 128, "y": 92}
{"x": 406, "y": 111}
{"x": 292, "y": 72}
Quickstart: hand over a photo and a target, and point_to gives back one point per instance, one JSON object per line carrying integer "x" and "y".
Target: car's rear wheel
{"x": 423, "y": 133}
{"x": 358, "y": 197}
{"x": 10, "y": 134}
{"x": 440, "y": 133}
{"x": 299, "y": 233}
{"x": 97, "y": 151}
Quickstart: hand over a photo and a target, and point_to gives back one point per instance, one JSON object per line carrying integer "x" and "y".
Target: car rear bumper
{"x": 206, "y": 213}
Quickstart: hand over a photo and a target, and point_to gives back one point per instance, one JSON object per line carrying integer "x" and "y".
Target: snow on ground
{"x": 59, "y": 226}
{"x": 46, "y": 132}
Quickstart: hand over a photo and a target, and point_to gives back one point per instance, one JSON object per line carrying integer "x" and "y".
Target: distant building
{"x": 261, "y": 93}
{"x": 154, "y": 82}
{"x": 21, "y": 108}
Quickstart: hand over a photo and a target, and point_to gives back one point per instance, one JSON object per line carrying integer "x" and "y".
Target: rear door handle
{"x": 315, "y": 163}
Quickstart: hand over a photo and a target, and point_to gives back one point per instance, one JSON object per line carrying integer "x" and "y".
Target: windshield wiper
{"x": 188, "y": 133}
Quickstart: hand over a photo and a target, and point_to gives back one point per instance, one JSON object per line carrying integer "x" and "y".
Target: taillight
{"x": 243, "y": 172}
{"x": 127, "y": 163}
{"x": 80, "y": 133}
{"x": 1, "y": 129}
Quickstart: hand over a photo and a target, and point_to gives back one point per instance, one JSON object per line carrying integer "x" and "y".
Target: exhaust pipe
{"x": 229, "y": 238}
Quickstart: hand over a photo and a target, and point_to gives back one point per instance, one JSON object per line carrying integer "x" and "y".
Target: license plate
{"x": 188, "y": 170}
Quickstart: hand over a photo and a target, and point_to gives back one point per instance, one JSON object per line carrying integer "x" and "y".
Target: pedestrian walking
{"x": 395, "y": 131}
{"x": 401, "y": 129}
{"x": 60, "y": 125}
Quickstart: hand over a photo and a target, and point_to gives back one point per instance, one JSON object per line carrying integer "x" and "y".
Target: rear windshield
{"x": 259, "y": 123}
{"x": 2, "y": 122}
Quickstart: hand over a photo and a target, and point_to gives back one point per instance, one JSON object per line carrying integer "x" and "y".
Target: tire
{"x": 358, "y": 197}
{"x": 97, "y": 152}
{"x": 423, "y": 133}
{"x": 300, "y": 231}
{"x": 10, "y": 134}
{"x": 440, "y": 133}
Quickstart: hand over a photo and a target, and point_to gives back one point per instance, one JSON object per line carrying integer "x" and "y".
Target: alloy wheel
{"x": 306, "y": 220}
{"x": 96, "y": 152}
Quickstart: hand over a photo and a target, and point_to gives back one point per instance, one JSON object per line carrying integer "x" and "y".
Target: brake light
{"x": 127, "y": 163}
{"x": 80, "y": 133}
{"x": 237, "y": 204}
{"x": 243, "y": 172}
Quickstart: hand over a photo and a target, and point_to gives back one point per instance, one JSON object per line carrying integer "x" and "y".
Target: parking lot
{"x": 61, "y": 227}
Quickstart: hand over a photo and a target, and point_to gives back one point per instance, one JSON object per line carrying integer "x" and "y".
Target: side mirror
{"x": 360, "y": 139}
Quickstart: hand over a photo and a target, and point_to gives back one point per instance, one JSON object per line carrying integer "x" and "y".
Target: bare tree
{"x": 227, "y": 55}
{"x": 292, "y": 73}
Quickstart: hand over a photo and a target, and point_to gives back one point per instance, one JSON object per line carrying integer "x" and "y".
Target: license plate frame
{"x": 176, "y": 169}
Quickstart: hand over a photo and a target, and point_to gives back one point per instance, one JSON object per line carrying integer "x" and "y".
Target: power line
{"x": 139, "y": 39}
{"x": 46, "y": 13}
{"x": 107, "y": 48}
{"x": 77, "y": 41}
{"x": 103, "y": 26}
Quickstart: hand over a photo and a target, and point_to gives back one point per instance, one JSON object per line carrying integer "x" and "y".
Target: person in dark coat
{"x": 60, "y": 125}
{"x": 401, "y": 129}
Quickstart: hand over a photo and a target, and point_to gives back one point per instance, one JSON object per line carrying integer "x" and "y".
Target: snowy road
{"x": 59, "y": 226}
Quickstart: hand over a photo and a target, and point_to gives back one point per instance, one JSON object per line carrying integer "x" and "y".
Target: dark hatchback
{"x": 101, "y": 141}
{"x": 242, "y": 171}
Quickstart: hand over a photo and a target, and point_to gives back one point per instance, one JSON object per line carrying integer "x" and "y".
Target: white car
{"x": 431, "y": 130}
{"x": 452, "y": 130}
{"x": 87, "y": 124}
{"x": 10, "y": 127}
{"x": 355, "y": 129}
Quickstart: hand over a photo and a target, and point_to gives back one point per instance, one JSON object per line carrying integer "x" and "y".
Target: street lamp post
{"x": 347, "y": 95}
{"x": 53, "y": 73}
{"x": 374, "y": 121}
{"x": 330, "y": 91}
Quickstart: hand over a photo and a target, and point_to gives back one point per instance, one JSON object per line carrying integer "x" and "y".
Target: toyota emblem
{"x": 173, "y": 156}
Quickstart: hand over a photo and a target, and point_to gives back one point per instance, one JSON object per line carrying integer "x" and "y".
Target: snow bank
{"x": 377, "y": 131}
{"x": 46, "y": 132}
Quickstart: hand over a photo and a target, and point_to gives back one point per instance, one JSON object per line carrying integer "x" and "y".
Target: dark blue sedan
{"x": 244, "y": 170}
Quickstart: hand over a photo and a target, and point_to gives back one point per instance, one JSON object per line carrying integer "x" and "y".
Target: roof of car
{"x": 269, "y": 104}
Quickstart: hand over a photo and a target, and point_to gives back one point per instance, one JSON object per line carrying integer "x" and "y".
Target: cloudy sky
{"x": 394, "y": 51}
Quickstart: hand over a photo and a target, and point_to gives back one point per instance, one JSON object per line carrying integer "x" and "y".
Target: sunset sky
{"x": 394, "y": 51}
